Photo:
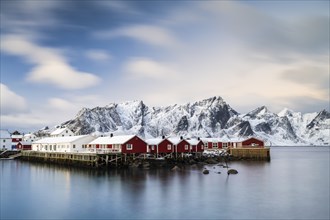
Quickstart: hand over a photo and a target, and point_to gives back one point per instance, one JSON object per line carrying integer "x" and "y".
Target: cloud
{"x": 28, "y": 16}
{"x": 315, "y": 76}
{"x": 119, "y": 6}
{"x": 98, "y": 55}
{"x": 51, "y": 67}
{"x": 149, "y": 34}
{"x": 276, "y": 36}
{"x": 11, "y": 103}
{"x": 147, "y": 68}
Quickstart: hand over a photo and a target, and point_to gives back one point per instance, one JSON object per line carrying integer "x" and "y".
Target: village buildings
{"x": 69, "y": 144}
{"x": 62, "y": 132}
{"x": 5, "y": 140}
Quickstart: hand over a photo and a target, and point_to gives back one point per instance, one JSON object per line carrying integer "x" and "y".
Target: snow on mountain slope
{"x": 211, "y": 117}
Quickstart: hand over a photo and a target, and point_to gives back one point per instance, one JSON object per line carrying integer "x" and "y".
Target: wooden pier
{"x": 250, "y": 153}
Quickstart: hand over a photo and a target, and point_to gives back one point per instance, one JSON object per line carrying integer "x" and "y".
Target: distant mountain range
{"x": 211, "y": 117}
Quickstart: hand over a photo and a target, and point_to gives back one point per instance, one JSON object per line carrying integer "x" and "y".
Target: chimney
{"x": 198, "y": 139}
{"x": 163, "y": 137}
{"x": 111, "y": 135}
{"x": 181, "y": 137}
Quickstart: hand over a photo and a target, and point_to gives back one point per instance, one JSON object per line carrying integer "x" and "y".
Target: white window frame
{"x": 129, "y": 146}
{"x": 186, "y": 147}
{"x": 215, "y": 145}
{"x": 169, "y": 147}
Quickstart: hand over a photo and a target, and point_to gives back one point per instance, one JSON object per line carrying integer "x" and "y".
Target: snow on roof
{"x": 28, "y": 135}
{"x": 193, "y": 141}
{"x": 175, "y": 140}
{"x": 112, "y": 140}
{"x": 4, "y": 134}
{"x": 55, "y": 140}
{"x": 216, "y": 140}
{"x": 17, "y": 136}
{"x": 25, "y": 143}
{"x": 154, "y": 141}
{"x": 58, "y": 131}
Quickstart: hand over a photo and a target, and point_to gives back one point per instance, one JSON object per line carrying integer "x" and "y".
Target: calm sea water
{"x": 294, "y": 185}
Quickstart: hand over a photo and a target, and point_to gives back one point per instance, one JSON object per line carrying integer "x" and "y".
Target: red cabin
{"x": 23, "y": 146}
{"x": 253, "y": 142}
{"x": 214, "y": 143}
{"x": 134, "y": 145}
{"x": 159, "y": 145}
{"x": 196, "y": 145}
{"x": 180, "y": 145}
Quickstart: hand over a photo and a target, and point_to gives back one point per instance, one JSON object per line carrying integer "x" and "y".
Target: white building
{"x": 62, "y": 132}
{"x": 29, "y": 138}
{"x": 110, "y": 144}
{"x": 5, "y": 140}
{"x": 70, "y": 144}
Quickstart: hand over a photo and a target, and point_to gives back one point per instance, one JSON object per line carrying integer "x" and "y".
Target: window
{"x": 224, "y": 145}
{"x": 152, "y": 147}
{"x": 4, "y": 141}
{"x": 74, "y": 146}
{"x": 62, "y": 135}
{"x": 129, "y": 146}
{"x": 215, "y": 145}
{"x": 54, "y": 147}
{"x": 169, "y": 147}
{"x": 66, "y": 131}
{"x": 186, "y": 147}
{"x": 202, "y": 147}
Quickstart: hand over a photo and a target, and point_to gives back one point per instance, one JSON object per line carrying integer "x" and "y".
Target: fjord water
{"x": 293, "y": 185}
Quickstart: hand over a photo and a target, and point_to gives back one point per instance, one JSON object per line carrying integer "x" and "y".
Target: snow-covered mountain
{"x": 211, "y": 117}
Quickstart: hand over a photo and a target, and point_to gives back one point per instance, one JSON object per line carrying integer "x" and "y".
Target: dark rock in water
{"x": 218, "y": 172}
{"x": 232, "y": 171}
{"x": 211, "y": 161}
{"x": 224, "y": 166}
{"x": 176, "y": 168}
{"x": 206, "y": 171}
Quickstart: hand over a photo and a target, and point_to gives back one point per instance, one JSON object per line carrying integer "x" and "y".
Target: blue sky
{"x": 59, "y": 56}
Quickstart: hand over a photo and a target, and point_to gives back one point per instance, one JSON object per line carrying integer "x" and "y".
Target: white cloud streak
{"x": 149, "y": 34}
{"x": 98, "y": 55}
{"x": 51, "y": 66}
{"x": 142, "y": 67}
{"x": 11, "y": 103}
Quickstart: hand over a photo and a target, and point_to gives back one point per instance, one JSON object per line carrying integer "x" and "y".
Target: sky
{"x": 60, "y": 56}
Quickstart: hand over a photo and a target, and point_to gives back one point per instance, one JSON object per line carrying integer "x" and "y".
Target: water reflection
{"x": 290, "y": 186}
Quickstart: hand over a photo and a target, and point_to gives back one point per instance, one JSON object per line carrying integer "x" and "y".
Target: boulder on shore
{"x": 232, "y": 171}
{"x": 206, "y": 171}
{"x": 211, "y": 161}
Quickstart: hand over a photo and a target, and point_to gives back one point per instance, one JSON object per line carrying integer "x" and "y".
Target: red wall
{"x": 162, "y": 147}
{"x": 250, "y": 141}
{"x": 154, "y": 151}
{"x": 199, "y": 147}
{"x": 16, "y": 139}
{"x": 181, "y": 147}
{"x": 23, "y": 147}
{"x": 139, "y": 146}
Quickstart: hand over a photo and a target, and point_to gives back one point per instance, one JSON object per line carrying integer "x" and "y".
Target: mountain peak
{"x": 285, "y": 112}
{"x": 260, "y": 111}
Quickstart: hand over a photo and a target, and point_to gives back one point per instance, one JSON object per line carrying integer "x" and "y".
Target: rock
{"x": 211, "y": 161}
{"x": 218, "y": 172}
{"x": 232, "y": 171}
{"x": 176, "y": 168}
{"x": 193, "y": 166}
{"x": 206, "y": 171}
